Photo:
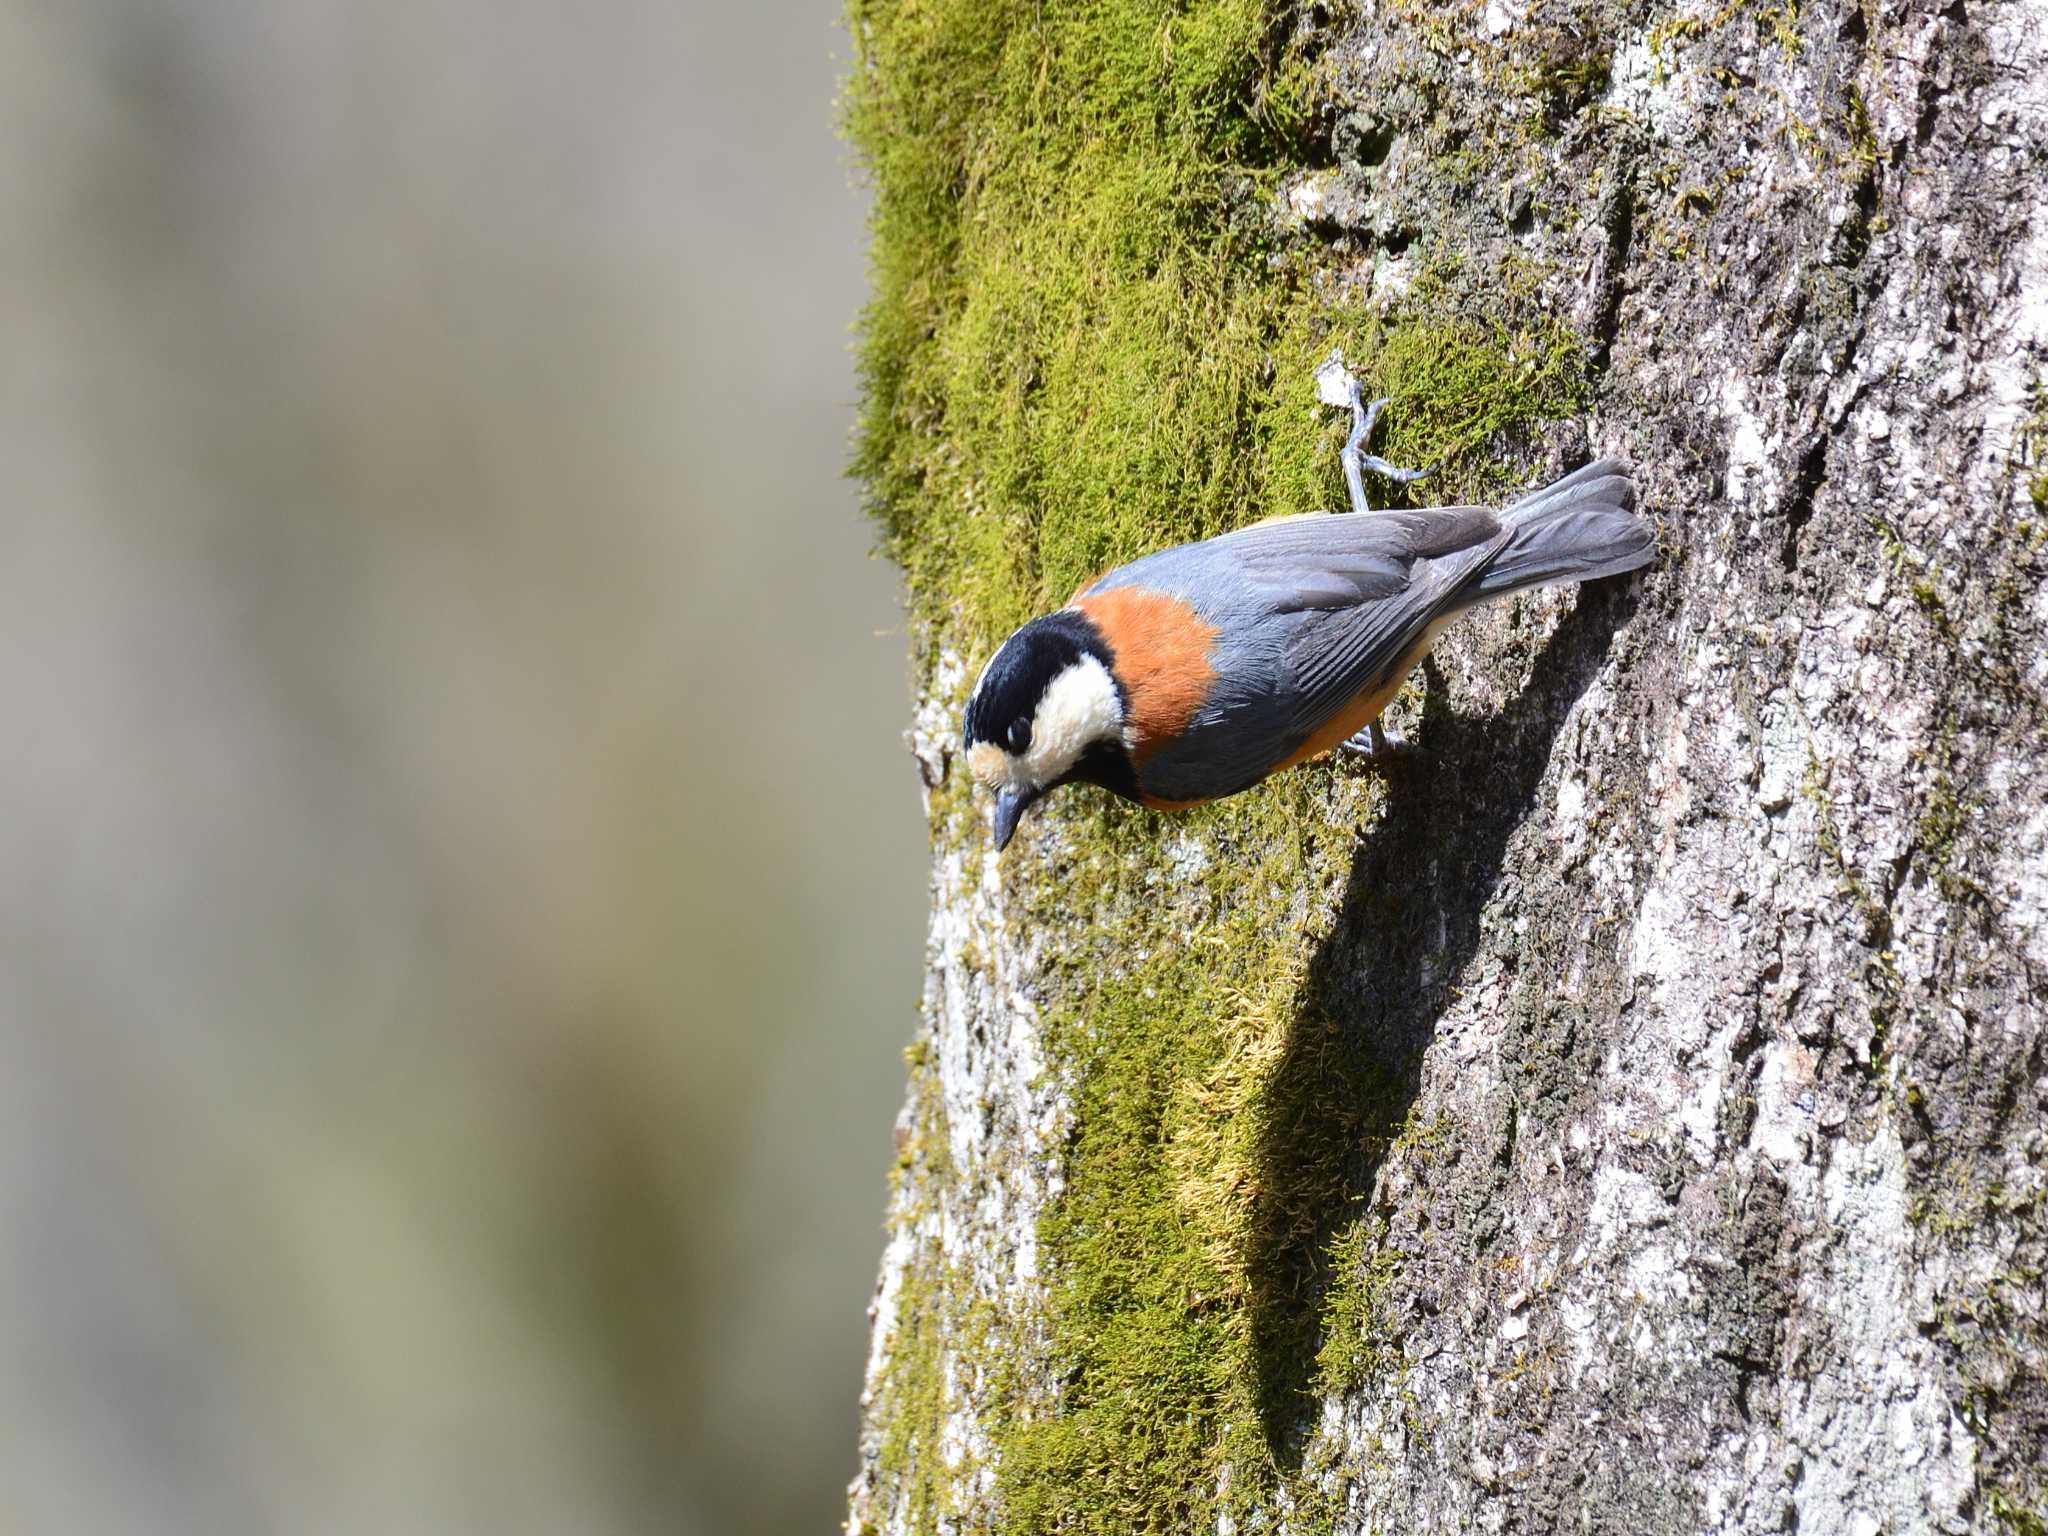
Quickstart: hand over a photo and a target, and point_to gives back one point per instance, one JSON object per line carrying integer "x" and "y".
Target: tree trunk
{"x": 1626, "y": 1114}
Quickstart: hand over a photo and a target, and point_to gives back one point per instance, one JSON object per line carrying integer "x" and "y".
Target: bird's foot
{"x": 1337, "y": 385}
{"x": 1377, "y": 742}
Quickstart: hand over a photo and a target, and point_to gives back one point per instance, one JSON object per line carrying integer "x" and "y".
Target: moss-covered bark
{"x": 1627, "y": 1114}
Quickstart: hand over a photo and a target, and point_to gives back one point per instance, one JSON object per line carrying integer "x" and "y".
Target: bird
{"x": 1196, "y": 672}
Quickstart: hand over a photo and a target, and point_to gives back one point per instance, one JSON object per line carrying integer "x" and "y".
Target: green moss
{"x": 937, "y": 1314}
{"x": 1943, "y": 827}
{"x": 1089, "y": 338}
{"x": 1148, "y": 1316}
{"x": 915, "y": 1394}
{"x": 1354, "y": 1344}
{"x": 2016, "y": 1515}
{"x": 1077, "y": 350}
{"x": 1561, "y": 65}
{"x": 1782, "y": 21}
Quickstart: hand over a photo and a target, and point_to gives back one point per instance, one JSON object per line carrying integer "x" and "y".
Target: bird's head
{"x": 1046, "y": 711}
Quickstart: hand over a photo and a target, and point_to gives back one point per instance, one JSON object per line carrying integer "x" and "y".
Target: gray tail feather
{"x": 1576, "y": 529}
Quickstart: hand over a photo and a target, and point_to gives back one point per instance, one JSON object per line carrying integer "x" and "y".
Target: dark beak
{"x": 1011, "y": 805}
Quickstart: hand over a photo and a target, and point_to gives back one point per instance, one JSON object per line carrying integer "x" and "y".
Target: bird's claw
{"x": 1337, "y": 385}
{"x": 1379, "y": 743}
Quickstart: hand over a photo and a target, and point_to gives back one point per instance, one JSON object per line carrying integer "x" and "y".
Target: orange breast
{"x": 1162, "y": 660}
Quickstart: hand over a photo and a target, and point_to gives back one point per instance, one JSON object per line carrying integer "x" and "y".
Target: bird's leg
{"x": 1376, "y": 741}
{"x": 1357, "y": 460}
{"x": 1338, "y": 386}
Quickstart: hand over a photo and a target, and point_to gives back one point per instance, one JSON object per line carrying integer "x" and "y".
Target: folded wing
{"x": 1312, "y": 614}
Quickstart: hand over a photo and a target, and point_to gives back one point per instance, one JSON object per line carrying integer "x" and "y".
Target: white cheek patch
{"x": 1079, "y": 709}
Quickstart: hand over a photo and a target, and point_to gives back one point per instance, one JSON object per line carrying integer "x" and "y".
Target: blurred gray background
{"x": 463, "y": 883}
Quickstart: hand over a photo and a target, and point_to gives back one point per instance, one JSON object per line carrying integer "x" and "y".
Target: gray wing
{"x": 1416, "y": 566}
{"x": 1310, "y": 612}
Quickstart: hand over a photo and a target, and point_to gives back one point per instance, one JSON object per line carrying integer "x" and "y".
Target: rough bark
{"x": 1703, "y": 950}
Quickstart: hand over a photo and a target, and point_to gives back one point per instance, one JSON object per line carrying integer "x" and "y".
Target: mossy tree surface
{"x": 1256, "y": 1158}
{"x": 1085, "y": 344}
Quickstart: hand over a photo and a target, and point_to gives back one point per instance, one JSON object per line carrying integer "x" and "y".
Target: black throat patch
{"x": 1108, "y": 764}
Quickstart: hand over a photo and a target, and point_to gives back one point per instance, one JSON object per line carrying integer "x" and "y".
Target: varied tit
{"x": 1195, "y": 672}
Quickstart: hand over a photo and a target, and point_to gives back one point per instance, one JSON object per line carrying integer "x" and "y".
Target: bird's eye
{"x": 1020, "y": 736}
